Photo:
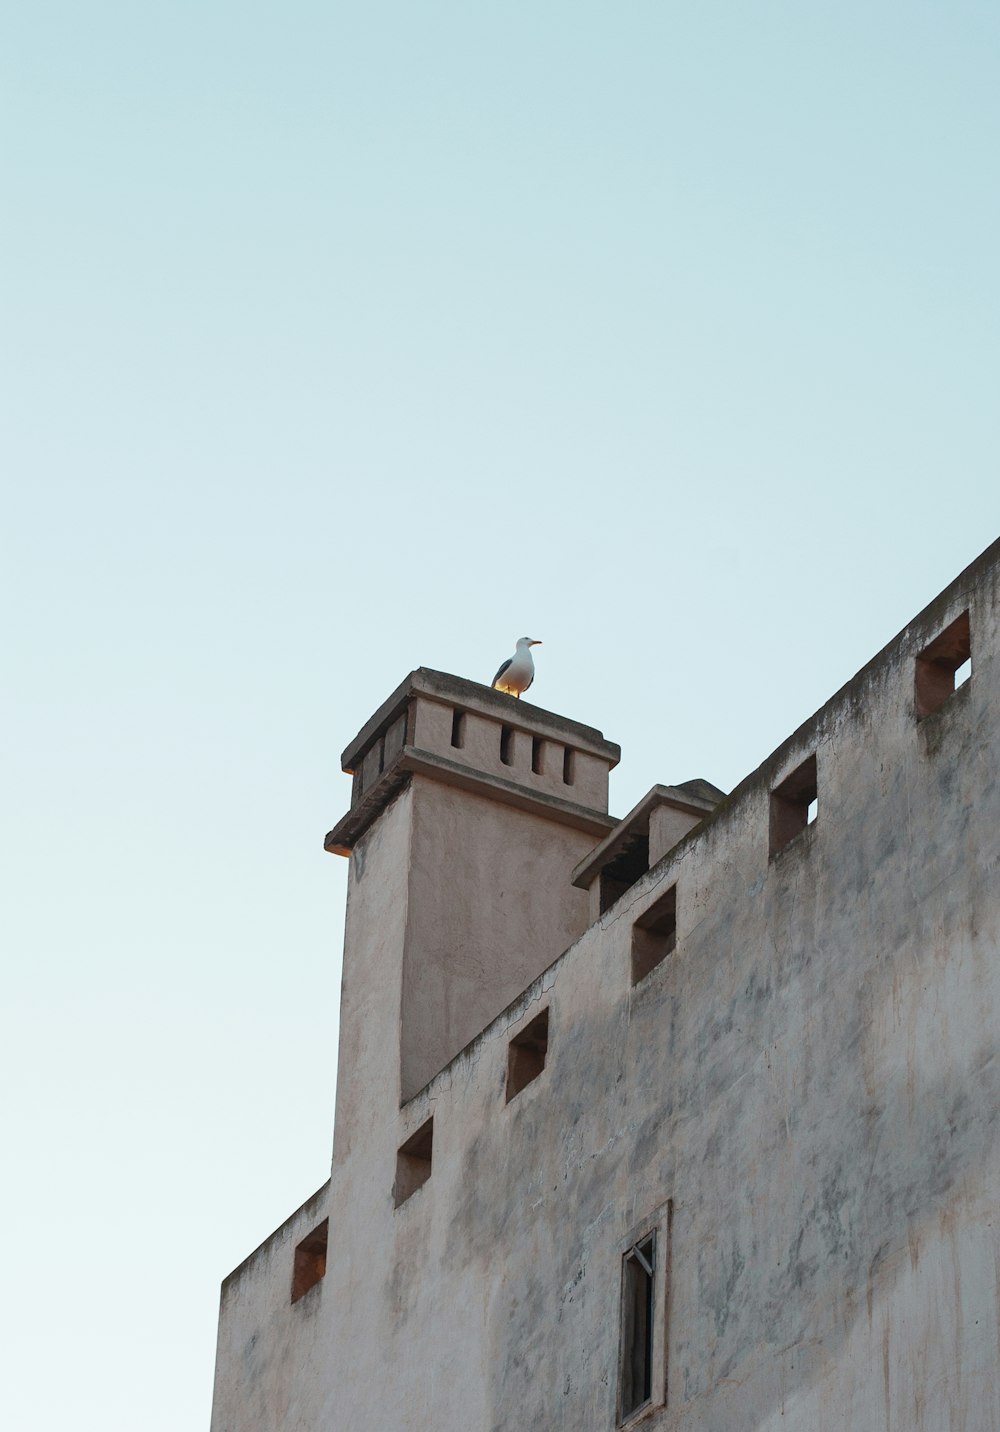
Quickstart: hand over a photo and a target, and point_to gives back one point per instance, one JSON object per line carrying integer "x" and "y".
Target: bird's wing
{"x": 501, "y": 671}
{"x": 530, "y": 680}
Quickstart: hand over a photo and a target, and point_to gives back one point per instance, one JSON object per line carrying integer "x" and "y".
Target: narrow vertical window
{"x": 537, "y": 755}
{"x": 942, "y": 667}
{"x": 638, "y": 1301}
{"x": 507, "y": 745}
{"x": 569, "y": 766}
{"x": 458, "y": 729}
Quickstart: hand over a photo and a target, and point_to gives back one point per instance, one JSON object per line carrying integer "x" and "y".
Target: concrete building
{"x": 688, "y": 1120}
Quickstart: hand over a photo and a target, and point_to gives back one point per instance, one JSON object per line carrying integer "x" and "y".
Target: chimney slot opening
{"x": 507, "y": 745}
{"x": 569, "y": 766}
{"x": 537, "y": 755}
{"x": 458, "y": 729}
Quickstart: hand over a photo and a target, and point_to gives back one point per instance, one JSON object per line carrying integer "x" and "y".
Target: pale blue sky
{"x": 338, "y": 341}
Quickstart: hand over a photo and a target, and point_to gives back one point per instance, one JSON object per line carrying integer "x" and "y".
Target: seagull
{"x": 518, "y": 671}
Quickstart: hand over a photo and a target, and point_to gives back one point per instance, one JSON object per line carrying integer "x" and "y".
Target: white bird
{"x": 518, "y": 671}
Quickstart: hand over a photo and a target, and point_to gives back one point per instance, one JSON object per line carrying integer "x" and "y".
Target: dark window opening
{"x": 620, "y": 874}
{"x": 309, "y": 1265}
{"x": 507, "y": 745}
{"x": 413, "y": 1163}
{"x": 458, "y": 729}
{"x": 943, "y": 666}
{"x": 569, "y": 766}
{"x": 538, "y": 755}
{"x": 654, "y": 935}
{"x": 637, "y": 1326}
{"x": 794, "y": 805}
{"x": 526, "y": 1054}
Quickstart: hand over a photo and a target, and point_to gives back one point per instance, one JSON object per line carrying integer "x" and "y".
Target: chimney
{"x": 469, "y": 812}
{"x": 650, "y": 830}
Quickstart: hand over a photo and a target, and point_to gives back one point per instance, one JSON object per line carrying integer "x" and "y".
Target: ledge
{"x": 473, "y": 696}
{"x": 413, "y": 761}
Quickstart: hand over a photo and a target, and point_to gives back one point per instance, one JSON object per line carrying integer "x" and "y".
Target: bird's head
{"x": 523, "y": 641}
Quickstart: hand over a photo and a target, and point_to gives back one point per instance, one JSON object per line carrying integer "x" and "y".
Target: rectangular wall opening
{"x": 526, "y": 1054}
{"x": 654, "y": 935}
{"x": 794, "y": 805}
{"x": 569, "y": 766}
{"x": 458, "y": 729}
{"x": 538, "y": 755}
{"x": 506, "y": 745}
{"x": 942, "y": 667}
{"x": 413, "y": 1163}
{"x": 620, "y": 874}
{"x": 638, "y": 1301}
{"x": 309, "y": 1264}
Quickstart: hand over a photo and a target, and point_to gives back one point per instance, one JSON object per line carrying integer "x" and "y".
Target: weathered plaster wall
{"x": 666, "y": 828}
{"x": 811, "y": 1078}
{"x": 490, "y": 907}
{"x": 375, "y": 925}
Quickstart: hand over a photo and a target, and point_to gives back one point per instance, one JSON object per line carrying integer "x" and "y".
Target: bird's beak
{"x": 535, "y": 643}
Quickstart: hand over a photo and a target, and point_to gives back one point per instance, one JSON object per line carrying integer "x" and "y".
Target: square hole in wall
{"x": 569, "y": 766}
{"x": 794, "y": 805}
{"x": 507, "y": 745}
{"x": 538, "y": 755}
{"x": 309, "y": 1264}
{"x": 413, "y": 1163}
{"x": 942, "y": 667}
{"x": 654, "y": 935}
{"x": 458, "y": 729}
{"x": 526, "y": 1054}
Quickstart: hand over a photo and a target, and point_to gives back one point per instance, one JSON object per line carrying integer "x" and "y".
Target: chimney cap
{"x": 457, "y": 691}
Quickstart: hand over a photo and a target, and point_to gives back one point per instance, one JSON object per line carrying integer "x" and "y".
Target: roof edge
{"x": 414, "y": 761}
{"x": 474, "y": 696}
